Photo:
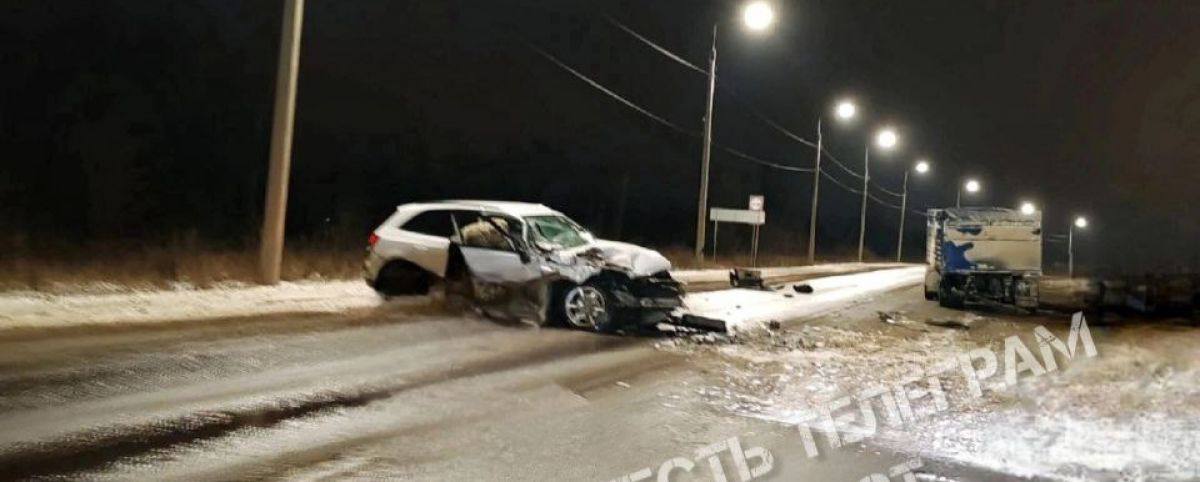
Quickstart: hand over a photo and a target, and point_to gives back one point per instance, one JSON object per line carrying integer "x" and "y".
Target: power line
{"x": 754, "y": 111}
{"x": 839, "y": 163}
{"x": 881, "y": 188}
{"x": 660, "y": 119}
{"x": 610, "y": 93}
{"x": 673, "y": 56}
{"x": 660, "y": 49}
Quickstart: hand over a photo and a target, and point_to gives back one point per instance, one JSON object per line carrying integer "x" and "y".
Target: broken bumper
{"x": 650, "y": 300}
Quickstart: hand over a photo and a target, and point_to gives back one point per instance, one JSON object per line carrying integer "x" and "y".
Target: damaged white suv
{"x": 520, "y": 260}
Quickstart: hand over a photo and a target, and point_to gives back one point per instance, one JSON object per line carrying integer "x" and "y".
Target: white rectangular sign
{"x": 744, "y": 216}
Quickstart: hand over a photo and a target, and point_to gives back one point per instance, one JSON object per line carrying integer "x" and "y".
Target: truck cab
{"x": 983, "y": 255}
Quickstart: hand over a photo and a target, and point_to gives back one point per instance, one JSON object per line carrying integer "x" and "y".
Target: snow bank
{"x": 30, "y": 309}
{"x": 34, "y": 309}
{"x": 745, "y": 309}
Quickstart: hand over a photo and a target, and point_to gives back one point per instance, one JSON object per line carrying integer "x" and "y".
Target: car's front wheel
{"x": 588, "y": 307}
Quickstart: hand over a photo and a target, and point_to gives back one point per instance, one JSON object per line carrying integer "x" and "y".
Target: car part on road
{"x": 746, "y": 278}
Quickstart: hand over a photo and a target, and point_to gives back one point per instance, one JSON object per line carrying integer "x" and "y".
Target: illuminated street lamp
{"x": 1027, "y": 208}
{"x": 886, "y": 139}
{"x": 1081, "y": 223}
{"x": 972, "y": 187}
{"x": 844, "y": 111}
{"x": 756, "y": 16}
{"x": 921, "y": 167}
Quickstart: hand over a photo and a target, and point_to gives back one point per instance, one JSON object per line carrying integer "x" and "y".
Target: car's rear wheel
{"x": 588, "y": 307}
{"x": 402, "y": 278}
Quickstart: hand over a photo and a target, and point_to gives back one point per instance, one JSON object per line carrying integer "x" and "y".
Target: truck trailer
{"x": 988, "y": 255}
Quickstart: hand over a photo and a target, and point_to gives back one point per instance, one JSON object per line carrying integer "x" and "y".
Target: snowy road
{"x": 409, "y": 392}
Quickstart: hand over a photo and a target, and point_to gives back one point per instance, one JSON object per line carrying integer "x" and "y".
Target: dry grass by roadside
{"x": 107, "y": 268}
{"x": 682, "y": 257}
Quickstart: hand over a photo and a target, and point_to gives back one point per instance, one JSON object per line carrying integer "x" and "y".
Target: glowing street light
{"x": 886, "y": 139}
{"x": 1027, "y": 208}
{"x": 922, "y": 167}
{"x": 972, "y": 187}
{"x": 846, "y": 110}
{"x": 758, "y": 16}
{"x": 1080, "y": 222}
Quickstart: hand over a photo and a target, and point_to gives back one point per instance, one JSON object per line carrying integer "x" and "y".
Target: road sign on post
{"x": 756, "y": 202}
{"x": 741, "y": 216}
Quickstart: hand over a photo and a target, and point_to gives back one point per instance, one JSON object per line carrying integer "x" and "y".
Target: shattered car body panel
{"x": 507, "y": 283}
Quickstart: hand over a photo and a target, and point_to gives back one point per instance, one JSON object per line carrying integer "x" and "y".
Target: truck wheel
{"x": 931, "y": 295}
{"x": 589, "y": 307}
{"x": 948, "y": 298}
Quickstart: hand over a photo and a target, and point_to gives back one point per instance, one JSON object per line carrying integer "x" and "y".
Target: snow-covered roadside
{"x": 111, "y": 305}
{"x": 1128, "y": 414}
{"x": 745, "y": 309}
{"x": 33, "y": 309}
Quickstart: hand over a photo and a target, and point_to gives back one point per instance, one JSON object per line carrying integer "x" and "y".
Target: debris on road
{"x": 746, "y": 278}
{"x": 963, "y": 323}
{"x": 803, "y": 288}
{"x": 891, "y": 317}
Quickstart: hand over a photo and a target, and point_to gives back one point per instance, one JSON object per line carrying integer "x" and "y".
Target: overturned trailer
{"x": 1148, "y": 294}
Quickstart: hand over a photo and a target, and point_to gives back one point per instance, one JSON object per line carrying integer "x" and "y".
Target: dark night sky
{"x": 141, "y": 120}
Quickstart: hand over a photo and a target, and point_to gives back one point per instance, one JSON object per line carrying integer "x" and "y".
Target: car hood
{"x": 638, "y": 260}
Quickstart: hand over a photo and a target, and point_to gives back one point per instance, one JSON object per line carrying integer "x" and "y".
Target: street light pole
{"x": 862, "y": 220}
{"x": 903, "y": 208}
{"x": 275, "y": 211}
{"x": 1079, "y": 222}
{"x": 707, "y": 150}
{"x": 1071, "y": 251}
{"x": 812, "y": 217}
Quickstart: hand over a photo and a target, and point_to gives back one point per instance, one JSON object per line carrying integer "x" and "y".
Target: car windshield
{"x": 557, "y": 230}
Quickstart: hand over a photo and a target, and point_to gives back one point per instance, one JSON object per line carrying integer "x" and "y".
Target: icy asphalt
{"x": 409, "y": 391}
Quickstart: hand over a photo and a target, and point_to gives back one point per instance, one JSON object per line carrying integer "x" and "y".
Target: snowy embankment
{"x": 32, "y": 309}
{"x": 41, "y": 310}
{"x": 744, "y": 308}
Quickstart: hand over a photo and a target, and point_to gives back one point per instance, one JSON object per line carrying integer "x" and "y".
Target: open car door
{"x": 506, "y": 281}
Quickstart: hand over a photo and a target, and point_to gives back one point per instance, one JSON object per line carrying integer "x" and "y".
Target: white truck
{"x": 987, "y": 255}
